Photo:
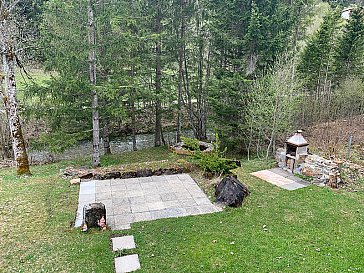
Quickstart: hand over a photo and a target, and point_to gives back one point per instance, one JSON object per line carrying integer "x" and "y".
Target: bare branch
{"x": 12, "y": 6}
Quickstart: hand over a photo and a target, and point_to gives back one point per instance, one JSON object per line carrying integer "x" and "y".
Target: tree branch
{"x": 12, "y": 6}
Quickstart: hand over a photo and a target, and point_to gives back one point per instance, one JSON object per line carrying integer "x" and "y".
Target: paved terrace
{"x": 144, "y": 199}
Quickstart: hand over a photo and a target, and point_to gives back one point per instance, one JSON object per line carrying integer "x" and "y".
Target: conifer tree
{"x": 349, "y": 59}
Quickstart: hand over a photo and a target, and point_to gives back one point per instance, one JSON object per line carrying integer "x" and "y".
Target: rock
{"x": 128, "y": 175}
{"x": 86, "y": 175}
{"x": 144, "y": 173}
{"x": 333, "y": 181}
{"x": 231, "y": 192}
{"x": 159, "y": 172}
{"x": 111, "y": 175}
{"x": 70, "y": 171}
{"x": 183, "y": 149}
{"x": 309, "y": 171}
{"x": 75, "y": 181}
{"x": 93, "y": 213}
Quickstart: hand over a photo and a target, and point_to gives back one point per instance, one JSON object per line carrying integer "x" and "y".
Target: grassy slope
{"x": 308, "y": 230}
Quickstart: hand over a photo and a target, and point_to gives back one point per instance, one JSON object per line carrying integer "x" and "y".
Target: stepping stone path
{"x": 281, "y": 178}
{"x": 121, "y": 243}
{"x": 127, "y": 263}
{"x": 144, "y": 199}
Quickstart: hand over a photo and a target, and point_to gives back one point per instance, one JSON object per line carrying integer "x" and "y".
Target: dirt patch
{"x": 352, "y": 176}
{"x": 331, "y": 138}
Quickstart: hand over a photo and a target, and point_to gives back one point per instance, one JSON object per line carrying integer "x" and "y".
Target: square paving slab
{"x": 128, "y": 263}
{"x": 124, "y": 242}
{"x": 144, "y": 199}
{"x": 281, "y": 178}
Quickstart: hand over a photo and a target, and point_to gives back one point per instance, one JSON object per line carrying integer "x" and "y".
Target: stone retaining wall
{"x": 321, "y": 170}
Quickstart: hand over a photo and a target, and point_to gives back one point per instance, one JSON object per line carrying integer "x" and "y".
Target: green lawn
{"x": 308, "y": 230}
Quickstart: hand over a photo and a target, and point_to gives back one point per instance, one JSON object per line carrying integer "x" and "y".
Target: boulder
{"x": 93, "y": 213}
{"x": 231, "y": 192}
{"x": 183, "y": 149}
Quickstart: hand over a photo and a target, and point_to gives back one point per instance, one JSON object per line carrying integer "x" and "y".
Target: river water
{"x": 118, "y": 145}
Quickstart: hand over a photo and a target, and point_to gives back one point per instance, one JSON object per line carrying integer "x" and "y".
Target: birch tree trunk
{"x": 92, "y": 71}
{"x": 11, "y": 106}
{"x": 9, "y": 92}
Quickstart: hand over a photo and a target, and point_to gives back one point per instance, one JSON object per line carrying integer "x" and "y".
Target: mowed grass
{"x": 308, "y": 230}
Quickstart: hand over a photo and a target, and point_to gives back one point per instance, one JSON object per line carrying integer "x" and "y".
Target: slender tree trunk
{"x": 132, "y": 111}
{"x": 180, "y": 68}
{"x": 158, "y": 78}
{"x": 201, "y": 97}
{"x": 11, "y": 106}
{"x": 133, "y": 129}
{"x": 179, "y": 103}
{"x": 106, "y": 140}
{"x": 92, "y": 71}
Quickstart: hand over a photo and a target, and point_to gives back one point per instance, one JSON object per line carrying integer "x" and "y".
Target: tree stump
{"x": 93, "y": 213}
{"x": 231, "y": 192}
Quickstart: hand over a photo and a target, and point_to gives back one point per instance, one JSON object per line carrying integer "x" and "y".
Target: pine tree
{"x": 349, "y": 59}
{"x": 316, "y": 65}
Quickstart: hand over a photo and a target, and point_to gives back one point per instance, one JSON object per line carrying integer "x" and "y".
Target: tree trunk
{"x": 106, "y": 140}
{"x": 180, "y": 71}
{"x": 10, "y": 104}
{"x": 133, "y": 123}
{"x": 92, "y": 71}
{"x": 132, "y": 111}
{"x": 158, "y": 78}
{"x": 133, "y": 129}
{"x": 201, "y": 97}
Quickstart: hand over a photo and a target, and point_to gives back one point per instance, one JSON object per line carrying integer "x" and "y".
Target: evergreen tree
{"x": 316, "y": 65}
{"x": 349, "y": 59}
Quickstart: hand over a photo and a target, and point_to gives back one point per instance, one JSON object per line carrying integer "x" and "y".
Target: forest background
{"x": 251, "y": 71}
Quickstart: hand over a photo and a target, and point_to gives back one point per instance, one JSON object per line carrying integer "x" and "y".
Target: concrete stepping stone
{"x": 287, "y": 182}
{"x": 121, "y": 243}
{"x": 126, "y": 264}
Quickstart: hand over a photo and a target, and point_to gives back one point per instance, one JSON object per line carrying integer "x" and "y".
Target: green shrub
{"x": 191, "y": 144}
{"x": 214, "y": 161}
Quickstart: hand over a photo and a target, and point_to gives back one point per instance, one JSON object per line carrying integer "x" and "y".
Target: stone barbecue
{"x": 295, "y": 152}
{"x": 295, "y": 158}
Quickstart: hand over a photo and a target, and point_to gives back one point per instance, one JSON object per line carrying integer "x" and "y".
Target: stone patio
{"x": 143, "y": 199}
{"x": 281, "y": 178}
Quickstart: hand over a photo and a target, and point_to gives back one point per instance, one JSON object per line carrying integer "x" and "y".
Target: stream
{"x": 118, "y": 145}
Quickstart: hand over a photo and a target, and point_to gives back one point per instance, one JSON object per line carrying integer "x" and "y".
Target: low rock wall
{"x": 321, "y": 170}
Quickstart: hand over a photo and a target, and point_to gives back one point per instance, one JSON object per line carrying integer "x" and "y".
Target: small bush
{"x": 191, "y": 144}
{"x": 214, "y": 161}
